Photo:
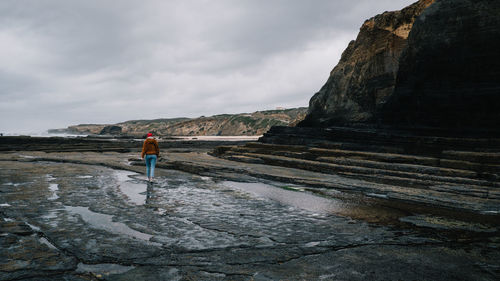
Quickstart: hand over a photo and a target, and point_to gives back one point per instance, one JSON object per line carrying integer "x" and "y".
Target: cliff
{"x": 449, "y": 75}
{"x": 401, "y": 112}
{"x": 248, "y": 124}
{"x": 433, "y": 64}
{"x": 366, "y": 74}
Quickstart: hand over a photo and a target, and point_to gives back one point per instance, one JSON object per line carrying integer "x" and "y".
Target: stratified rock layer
{"x": 365, "y": 76}
{"x": 94, "y": 222}
{"x": 428, "y": 65}
{"x": 431, "y": 170}
{"x": 449, "y": 75}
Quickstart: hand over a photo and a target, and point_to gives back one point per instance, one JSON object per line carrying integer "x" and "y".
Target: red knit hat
{"x": 150, "y": 135}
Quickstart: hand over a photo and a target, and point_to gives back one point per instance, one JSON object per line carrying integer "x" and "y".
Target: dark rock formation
{"x": 443, "y": 75}
{"x": 450, "y": 172}
{"x": 402, "y": 109}
{"x": 98, "y": 144}
{"x": 365, "y": 76}
{"x": 449, "y": 75}
{"x": 111, "y": 130}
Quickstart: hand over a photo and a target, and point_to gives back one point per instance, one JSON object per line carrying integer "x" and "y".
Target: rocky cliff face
{"x": 366, "y": 73}
{"x": 433, "y": 64}
{"x": 449, "y": 75}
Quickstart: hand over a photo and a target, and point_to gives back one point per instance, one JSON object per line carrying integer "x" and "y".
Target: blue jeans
{"x": 150, "y": 165}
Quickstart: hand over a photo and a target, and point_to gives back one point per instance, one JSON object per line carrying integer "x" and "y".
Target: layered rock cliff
{"x": 366, "y": 74}
{"x": 449, "y": 75}
{"x": 432, "y": 64}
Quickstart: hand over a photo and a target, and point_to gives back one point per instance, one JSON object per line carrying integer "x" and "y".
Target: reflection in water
{"x": 295, "y": 196}
{"x": 136, "y": 192}
{"x": 54, "y": 187}
{"x": 300, "y": 200}
{"x": 149, "y": 193}
{"x": 44, "y": 240}
{"x": 107, "y": 268}
{"x": 105, "y": 222}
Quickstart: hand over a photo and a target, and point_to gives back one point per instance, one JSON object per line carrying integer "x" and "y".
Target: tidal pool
{"x": 316, "y": 202}
{"x": 104, "y": 268}
{"x": 296, "y": 198}
{"x": 105, "y": 222}
{"x": 134, "y": 189}
{"x": 188, "y": 227}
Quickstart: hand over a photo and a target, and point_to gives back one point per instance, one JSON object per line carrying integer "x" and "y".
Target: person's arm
{"x": 157, "y": 149}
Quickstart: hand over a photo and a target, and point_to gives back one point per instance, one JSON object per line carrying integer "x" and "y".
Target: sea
{"x": 192, "y": 138}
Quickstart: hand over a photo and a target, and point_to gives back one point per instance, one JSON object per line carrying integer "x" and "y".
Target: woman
{"x": 152, "y": 151}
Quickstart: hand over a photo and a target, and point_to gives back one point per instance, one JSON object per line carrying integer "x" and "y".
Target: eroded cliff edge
{"x": 413, "y": 96}
{"x": 366, "y": 74}
{"x": 432, "y": 64}
{"x": 449, "y": 75}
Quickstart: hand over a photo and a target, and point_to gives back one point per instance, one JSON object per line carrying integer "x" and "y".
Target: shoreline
{"x": 200, "y": 157}
{"x": 210, "y": 157}
{"x": 77, "y": 208}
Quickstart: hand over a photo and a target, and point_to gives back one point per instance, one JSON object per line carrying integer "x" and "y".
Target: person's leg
{"x": 148, "y": 166}
{"x": 153, "y": 164}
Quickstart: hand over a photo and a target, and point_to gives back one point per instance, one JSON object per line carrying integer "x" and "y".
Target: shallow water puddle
{"x": 33, "y": 227}
{"x": 15, "y": 184}
{"x": 50, "y": 177}
{"x": 103, "y": 268}
{"x": 44, "y": 240}
{"x": 27, "y": 156}
{"x": 297, "y": 199}
{"x": 134, "y": 191}
{"x": 53, "y": 187}
{"x": 106, "y": 222}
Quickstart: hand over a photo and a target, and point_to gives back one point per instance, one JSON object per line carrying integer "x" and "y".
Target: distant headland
{"x": 243, "y": 124}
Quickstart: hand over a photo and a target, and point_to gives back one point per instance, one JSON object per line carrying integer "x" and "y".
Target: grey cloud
{"x": 104, "y": 61}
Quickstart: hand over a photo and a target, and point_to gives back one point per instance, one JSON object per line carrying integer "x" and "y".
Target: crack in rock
{"x": 232, "y": 233}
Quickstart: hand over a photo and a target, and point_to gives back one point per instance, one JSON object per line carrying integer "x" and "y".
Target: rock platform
{"x": 442, "y": 171}
{"x": 89, "y": 215}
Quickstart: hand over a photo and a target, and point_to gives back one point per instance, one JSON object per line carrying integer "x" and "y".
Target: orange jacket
{"x": 150, "y": 146}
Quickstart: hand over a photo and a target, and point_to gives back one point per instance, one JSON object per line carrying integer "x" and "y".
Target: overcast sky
{"x": 66, "y": 62}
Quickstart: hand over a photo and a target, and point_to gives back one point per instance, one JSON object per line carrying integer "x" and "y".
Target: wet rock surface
{"x": 441, "y": 171}
{"x": 90, "y": 216}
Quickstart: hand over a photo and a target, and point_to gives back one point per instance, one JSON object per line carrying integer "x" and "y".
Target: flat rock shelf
{"x": 93, "y": 216}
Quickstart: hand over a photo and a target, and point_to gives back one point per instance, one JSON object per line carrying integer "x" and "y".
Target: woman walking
{"x": 152, "y": 151}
